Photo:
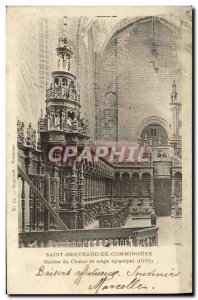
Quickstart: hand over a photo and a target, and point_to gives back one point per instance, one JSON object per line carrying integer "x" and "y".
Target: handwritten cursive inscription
{"x": 154, "y": 273}
{"x": 52, "y": 272}
{"x": 102, "y": 286}
{"x": 107, "y": 280}
{"x": 96, "y": 272}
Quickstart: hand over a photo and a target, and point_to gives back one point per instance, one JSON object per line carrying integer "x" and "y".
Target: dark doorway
{"x": 162, "y": 197}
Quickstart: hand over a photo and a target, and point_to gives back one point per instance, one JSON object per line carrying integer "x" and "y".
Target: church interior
{"x": 97, "y": 81}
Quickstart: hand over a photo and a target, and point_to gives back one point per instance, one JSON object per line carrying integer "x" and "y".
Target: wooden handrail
{"x": 42, "y": 199}
{"x": 89, "y": 234}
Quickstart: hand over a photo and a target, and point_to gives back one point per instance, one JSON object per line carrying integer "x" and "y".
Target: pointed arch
{"x": 128, "y": 22}
{"x": 152, "y": 120}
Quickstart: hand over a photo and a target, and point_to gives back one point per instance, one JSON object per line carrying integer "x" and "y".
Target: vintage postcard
{"x": 99, "y": 150}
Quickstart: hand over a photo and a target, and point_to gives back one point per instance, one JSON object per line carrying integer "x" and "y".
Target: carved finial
{"x": 20, "y": 132}
{"x": 64, "y": 52}
{"x": 174, "y": 92}
{"x": 31, "y": 136}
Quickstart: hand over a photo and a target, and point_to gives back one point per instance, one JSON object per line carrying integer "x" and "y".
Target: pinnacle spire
{"x": 64, "y": 48}
{"x": 174, "y": 92}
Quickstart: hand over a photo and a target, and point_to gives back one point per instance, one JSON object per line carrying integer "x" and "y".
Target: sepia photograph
{"x": 99, "y": 146}
{"x": 100, "y": 163}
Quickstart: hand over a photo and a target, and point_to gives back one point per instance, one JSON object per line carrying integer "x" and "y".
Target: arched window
{"x": 71, "y": 115}
{"x": 117, "y": 184}
{"x": 117, "y": 176}
{"x": 110, "y": 98}
{"x": 178, "y": 175}
{"x": 135, "y": 177}
{"x": 64, "y": 82}
{"x": 56, "y": 82}
{"x": 135, "y": 184}
{"x": 125, "y": 176}
{"x": 126, "y": 185}
{"x": 145, "y": 184}
{"x": 153, "y": 132}
{"x": 156, "y": 134}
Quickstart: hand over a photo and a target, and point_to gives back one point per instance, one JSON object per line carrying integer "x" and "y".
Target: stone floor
{"x": 170, "y": 229}
{"x": 169, "y": 233}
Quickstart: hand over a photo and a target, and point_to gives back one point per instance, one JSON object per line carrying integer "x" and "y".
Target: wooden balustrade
{"x": 143, "y": 237}
{"x": 146, "y": 237}
{"x": 41, "y": 213}
{"x": 35, "y": 219}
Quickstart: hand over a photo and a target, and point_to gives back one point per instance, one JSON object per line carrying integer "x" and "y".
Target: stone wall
{"x": 27, "y": 65}
{"x": 106, "y": 97}
{"x": 140, "y": 73}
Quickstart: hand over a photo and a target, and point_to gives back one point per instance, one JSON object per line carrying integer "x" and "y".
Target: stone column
{"x": 152, "y": 191}
{"x": 173, "y": 127}
{"x": 173, "y": 197}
